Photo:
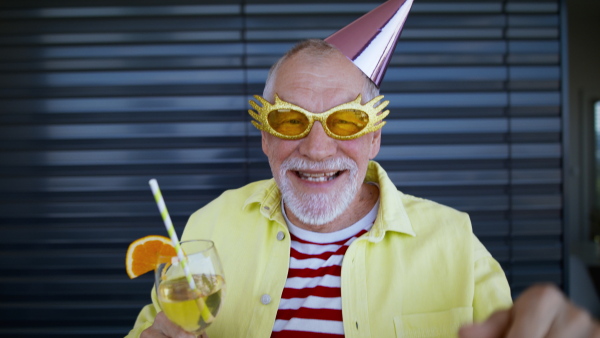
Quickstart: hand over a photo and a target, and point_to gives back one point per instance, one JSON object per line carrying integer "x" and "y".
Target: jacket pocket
{"x": 433, "y": 324}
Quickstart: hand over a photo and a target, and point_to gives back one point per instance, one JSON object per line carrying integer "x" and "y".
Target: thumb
{"x": 494, "y": 327}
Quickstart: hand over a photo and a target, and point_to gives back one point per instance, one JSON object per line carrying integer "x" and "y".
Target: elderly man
{"x": 330, "y": 247}
{"x": 411, "y": 265}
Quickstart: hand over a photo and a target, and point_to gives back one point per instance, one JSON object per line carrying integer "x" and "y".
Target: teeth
{"x": 317, "y": 177}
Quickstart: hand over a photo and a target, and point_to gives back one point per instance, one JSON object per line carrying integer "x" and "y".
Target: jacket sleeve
{"x": 492, "y": 292}
{"x": 145, "y": 318}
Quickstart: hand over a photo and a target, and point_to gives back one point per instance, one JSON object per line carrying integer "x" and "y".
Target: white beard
{"x": 318, "y": 208}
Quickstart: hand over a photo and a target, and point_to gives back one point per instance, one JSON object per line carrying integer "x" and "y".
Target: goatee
{"x": 318, "y": 208}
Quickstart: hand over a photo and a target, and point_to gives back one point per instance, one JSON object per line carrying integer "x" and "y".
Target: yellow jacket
{"x": 419, "y": 272}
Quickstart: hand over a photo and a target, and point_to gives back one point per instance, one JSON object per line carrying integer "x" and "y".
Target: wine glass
{"x": 193, "y": 310}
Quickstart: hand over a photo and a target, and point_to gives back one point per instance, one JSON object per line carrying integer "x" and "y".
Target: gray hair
{"x": 319, "y": 50}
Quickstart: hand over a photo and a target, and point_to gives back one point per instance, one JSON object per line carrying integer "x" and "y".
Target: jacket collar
{"x": 392, "y": 215}
{"x": 268, "y": 197}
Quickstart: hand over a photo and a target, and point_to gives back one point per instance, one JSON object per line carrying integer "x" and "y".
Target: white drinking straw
{"x": 171, "y": 230}
{"x": 162, "y": 207}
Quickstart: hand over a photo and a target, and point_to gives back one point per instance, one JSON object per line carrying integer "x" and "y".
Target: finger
{"x": 573, "y": 322}
{"x": 170, "y": 329}
{"x": 152, "y": 332}
{"x": 494, "y": 327}
{"x": 535, "y": 311}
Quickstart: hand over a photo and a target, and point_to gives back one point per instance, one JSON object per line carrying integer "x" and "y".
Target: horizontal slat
{"x": 532, "y": 151}
{"x": 121, "y": 183}
{"x": 478, "y": 177}
{"x": 126, "y": 78}
{"x": 123, "y": 157}
{"x": 437, "y": 100}
{"x": 95, "y": 25}
{"x": 446, "y": 74}
{"x": 532, "y": 33}
{"x": 92, "y": 63}
{"x": 129, "y": 37}
{"x": 63, "y": 259}
{"x": 155, "y": 50}
{"x": 532, "y": 6}
{"x": 447, "y": 177}
{"x": 74, "y": 286}
{"x": 535, "y": 228}
{"x": 538, "y": 47}
{"x": 66, "y": 331}
{"x": 533, "y": 20}
{"x": 75, "y": 209}
{"x": 316, "y": 8}
{"x": 69, "y": 232}
{"x": 439, "y": 152}
{"x": 534, "y": 98}
{"x": 532, "y": 73}
{"x": 452, "y": 33}
{"x": 125, "y": 131}
{"x": 76, "y": 311}
{"x": 111, "y": 12}
{"x": 121, "y": 105}
{"x": 441, "y": 7}
{"x": 537, "y": 250}
{"x": 439, "y": 20}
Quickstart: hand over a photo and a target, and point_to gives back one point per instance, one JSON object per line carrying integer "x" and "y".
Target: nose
{"x": 317, "y": 146}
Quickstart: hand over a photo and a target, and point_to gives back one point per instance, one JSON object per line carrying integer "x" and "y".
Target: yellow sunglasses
{"x": 345, "y": 122}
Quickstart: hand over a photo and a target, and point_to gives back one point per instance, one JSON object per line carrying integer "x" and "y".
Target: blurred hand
{"x": 163, "y": 327}
{"x": 540, "y": 311}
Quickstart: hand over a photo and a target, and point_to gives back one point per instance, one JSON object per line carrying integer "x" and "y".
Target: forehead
{"x": 318, "y": 80}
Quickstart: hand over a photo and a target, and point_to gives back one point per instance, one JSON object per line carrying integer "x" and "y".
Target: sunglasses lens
{"x": 347, "y": 122}
{"x": 288, "y": 122}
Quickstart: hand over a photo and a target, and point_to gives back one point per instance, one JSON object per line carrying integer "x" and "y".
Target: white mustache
{"x": 334, "y": 164}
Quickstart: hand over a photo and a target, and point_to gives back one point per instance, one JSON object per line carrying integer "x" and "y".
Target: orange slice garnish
{"x": 143, "y": 254}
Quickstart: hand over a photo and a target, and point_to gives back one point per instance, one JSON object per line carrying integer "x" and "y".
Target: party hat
{"x": 370, "y": 40}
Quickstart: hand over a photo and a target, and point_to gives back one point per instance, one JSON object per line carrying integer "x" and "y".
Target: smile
{"x": 318, "y": 177}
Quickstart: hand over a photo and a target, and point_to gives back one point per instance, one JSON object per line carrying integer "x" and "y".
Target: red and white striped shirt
{"x": 311, "y": 303}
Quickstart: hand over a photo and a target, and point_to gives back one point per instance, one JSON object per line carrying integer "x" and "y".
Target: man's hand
{"x": 541, "y": 311}
{"x": 163, "y": 327}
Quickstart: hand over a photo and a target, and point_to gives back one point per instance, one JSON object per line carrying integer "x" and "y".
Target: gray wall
{"x": 584, "y": 89}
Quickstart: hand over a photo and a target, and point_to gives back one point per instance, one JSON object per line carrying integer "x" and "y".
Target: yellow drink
{"x": 193, "y": 310}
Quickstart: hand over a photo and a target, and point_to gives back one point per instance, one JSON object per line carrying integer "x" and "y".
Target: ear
{"x": 375, "y": 144}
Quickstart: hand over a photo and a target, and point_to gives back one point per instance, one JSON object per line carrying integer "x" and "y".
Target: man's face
{"x": 319, "y": 177}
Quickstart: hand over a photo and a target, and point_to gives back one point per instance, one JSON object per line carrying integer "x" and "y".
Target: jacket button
{"x": 265, "y": 299}
{"x": 280, "y": 236}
